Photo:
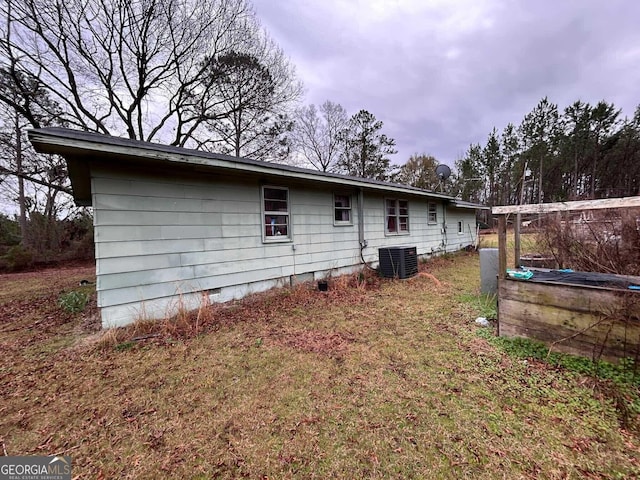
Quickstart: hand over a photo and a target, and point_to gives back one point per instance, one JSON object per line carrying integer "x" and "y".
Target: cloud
{"x": 442, "y": 74}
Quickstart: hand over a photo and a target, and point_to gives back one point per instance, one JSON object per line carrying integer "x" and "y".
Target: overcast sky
{"x": 441, "y": 74}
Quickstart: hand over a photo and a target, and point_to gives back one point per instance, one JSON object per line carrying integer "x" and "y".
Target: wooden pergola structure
{"x": 543, "y": 208}
{"x": 601, "y": 321}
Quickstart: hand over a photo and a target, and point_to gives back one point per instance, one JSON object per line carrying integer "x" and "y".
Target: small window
{"x": 433, "y": 212}
{"x": 460, "y": 230}
{"x": 342, "y": 210}
{"x": 275, "y": 214}
{"x": 397, "y": 216}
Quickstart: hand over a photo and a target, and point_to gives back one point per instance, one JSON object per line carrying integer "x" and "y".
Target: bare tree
{"x": 317, "y": 135}
{"x": 12, "y": 182}
{"x": 256, "y": 88}
{"x": 124, "y": 66}
{"x": 26, "y": 178}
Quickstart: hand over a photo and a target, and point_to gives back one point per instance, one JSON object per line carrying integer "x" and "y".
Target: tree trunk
{"x": 540, "y": 194}
{"x": 574, "y": 177}
{"x": 237, "y": 124}
{"x": 22, "y": 203}
{"x": 593, "y": 178}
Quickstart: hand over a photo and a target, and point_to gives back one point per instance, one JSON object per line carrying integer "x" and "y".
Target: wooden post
{"x": 516, "y": 239}
{"x": 502, "y": 248}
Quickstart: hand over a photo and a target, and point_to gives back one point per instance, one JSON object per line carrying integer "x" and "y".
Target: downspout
{"x": 444, "y": 227}
{"x": 363, "y": 242}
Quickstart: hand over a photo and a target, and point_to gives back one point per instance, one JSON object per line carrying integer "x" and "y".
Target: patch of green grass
{"x": 485, "y": 304}
{"x": 49, "y": 346}
{"x": 625, "y": 372}
{"x": 623, "y": 378}
{"x": 121, "y": 347}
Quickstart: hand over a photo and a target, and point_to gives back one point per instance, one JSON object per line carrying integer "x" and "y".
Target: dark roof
{"x": 78, "y": 146}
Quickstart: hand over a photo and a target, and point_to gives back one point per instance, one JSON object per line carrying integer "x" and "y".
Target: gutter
{"x": 82, "y": 146}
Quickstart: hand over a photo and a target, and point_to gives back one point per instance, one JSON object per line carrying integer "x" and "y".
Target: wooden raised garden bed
{"x": 595, "y": 319}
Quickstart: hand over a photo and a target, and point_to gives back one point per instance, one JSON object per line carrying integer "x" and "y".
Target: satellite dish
{"x": 443, "y": 171}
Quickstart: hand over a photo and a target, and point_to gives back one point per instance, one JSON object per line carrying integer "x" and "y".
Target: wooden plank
{"x": 576, "y": 347}
{"x": 625, "y": 202}
{"x": 572, "y": 297}
{"x": 582, "y": 319}
{"x": 595, "y": 327}
{"x": 502, "y": 247}
{"x": 516, "y": 241}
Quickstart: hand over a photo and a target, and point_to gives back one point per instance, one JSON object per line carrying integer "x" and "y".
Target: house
{"x": 173, "y": 224}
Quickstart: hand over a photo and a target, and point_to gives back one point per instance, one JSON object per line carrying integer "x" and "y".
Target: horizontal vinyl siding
{"x": 142, "y": 293}
{"x": 150, "y": 232}
{"x": 427, "y": 238}
{"x": 320, "y": 245}
{"x": 158, "y": 240}
{"x": 456, "y": 240}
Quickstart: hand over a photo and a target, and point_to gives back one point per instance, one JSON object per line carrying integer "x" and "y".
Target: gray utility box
{"x": 489, "y": 270}
{"x": 398, "y": 262}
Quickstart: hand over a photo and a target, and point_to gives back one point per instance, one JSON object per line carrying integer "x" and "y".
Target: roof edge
{"x": 76, "y": 143}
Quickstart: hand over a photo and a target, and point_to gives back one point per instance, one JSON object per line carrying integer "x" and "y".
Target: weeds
{"x": 602, "y": 241}
{"x": 74, "y": 301}
{"x": 486, "y": 304}
{"x": 121, "y": 347}
{"x": 624, "y": 372}
{"x": 619, "y": 382}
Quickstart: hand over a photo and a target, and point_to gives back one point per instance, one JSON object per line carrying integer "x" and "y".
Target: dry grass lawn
{"x": 373, "y": 379}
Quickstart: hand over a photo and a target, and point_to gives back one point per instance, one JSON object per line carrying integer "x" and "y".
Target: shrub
{"x": 604, "y": 241}
{"x": 9, "y": 231}
{"x": 73, "y": 302}
{"x": 17, "y": 258}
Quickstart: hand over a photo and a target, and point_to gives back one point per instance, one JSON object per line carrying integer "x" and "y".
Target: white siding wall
{"x": 429, "y": 238}
{"x": 161, "y": 243}
{"x": 455, "y": 240}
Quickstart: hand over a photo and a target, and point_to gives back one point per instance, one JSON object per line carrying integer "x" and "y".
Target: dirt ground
{"x": 29, "y": 309}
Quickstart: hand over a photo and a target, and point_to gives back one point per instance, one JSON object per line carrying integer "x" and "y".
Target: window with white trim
{"x": 275, "y": 214}
{"x": 396, "y": 216}
{"x": 342, "y": 209}
{"x": 433, "y": 213}
{"x": 460, "y": 228}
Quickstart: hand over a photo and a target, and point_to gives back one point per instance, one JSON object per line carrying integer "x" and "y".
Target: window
{"x": 433, "y": 213}
{"x": 397, "y": 216}
{"x": 460, "y": 230}
{"x": 342, "y": 210}
{"x": 275, "y": 214}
